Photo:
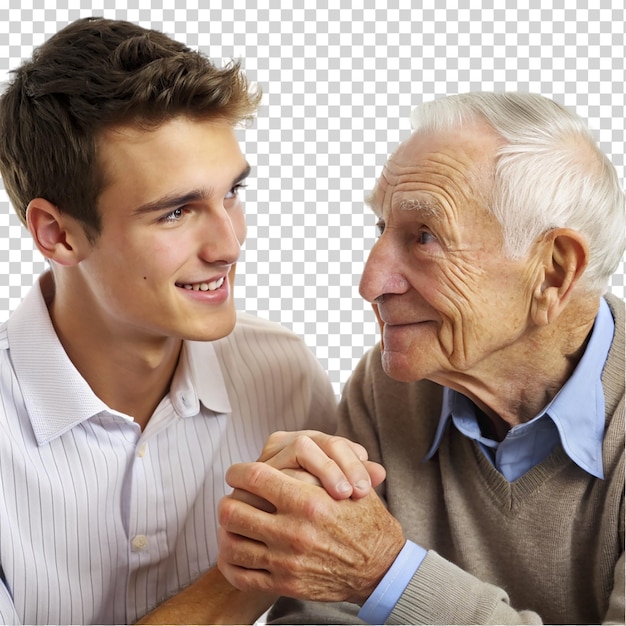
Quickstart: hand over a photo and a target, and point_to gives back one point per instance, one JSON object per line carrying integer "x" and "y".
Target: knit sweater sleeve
{"x": 442, "y": 593}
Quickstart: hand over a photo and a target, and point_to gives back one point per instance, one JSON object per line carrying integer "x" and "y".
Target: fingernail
{"x": 344, "y": 487}
{"x": 362, "y": 485}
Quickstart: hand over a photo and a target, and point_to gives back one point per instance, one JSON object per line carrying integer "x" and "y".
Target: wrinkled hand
{"x": 340, "y": 465}
{"x": 312, "y": 546}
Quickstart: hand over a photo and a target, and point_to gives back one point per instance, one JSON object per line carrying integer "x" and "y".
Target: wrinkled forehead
{"x": 454, "y": 164}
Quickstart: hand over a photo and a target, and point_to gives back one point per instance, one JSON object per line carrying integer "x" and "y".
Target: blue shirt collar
{"x": 577, "y": 410}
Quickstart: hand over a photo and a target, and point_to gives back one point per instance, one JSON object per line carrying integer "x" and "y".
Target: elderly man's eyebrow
{"x": 370, "y": 201}
{"x": 419, "y": 204}
{"x": 424, "y": 206}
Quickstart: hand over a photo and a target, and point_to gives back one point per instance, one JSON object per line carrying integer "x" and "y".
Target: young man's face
{"x": 172, "y": 226}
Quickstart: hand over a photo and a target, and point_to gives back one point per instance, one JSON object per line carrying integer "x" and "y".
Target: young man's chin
{"x": 211, "y": 331}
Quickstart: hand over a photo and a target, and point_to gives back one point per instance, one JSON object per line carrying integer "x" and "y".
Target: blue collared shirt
{"x": 574, "y": 418}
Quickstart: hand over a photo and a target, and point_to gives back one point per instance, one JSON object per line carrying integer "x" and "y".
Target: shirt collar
{"x": 199, "y": 378}
{"x": 578, "y": 408}
{"x": 57, "y": 397}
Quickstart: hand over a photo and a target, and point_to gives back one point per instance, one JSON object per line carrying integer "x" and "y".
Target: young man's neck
{"x": 130, "y": 375}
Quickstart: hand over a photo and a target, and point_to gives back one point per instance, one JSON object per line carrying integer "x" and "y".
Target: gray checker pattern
{"x": 339, "y": 85}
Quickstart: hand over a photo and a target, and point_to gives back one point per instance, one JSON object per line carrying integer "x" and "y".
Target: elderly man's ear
{"x": 565, "y": 255}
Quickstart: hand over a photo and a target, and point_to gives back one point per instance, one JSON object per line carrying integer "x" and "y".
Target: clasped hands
{"x": 304, "y": 520}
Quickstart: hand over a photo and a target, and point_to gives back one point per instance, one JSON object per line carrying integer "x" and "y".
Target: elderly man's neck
{"x": 515, "y": 384}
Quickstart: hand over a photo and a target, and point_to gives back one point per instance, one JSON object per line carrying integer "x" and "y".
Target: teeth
{"x": 212, "y": 286}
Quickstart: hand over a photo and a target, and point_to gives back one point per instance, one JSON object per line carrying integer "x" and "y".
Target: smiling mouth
{"x": 212, "y": 286}
{"x": 405, "y": 324}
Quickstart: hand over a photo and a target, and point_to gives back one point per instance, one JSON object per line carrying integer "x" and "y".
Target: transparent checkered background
{"x": 339, "y": 86}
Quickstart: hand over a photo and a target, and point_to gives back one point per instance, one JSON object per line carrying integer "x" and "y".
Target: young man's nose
{"x": 221, "y": 239}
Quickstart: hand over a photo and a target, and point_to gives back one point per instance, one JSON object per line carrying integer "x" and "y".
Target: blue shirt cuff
{"x": 378, "y": 606}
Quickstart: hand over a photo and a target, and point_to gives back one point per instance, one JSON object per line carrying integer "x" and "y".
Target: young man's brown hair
{"x": 94, "y": 74}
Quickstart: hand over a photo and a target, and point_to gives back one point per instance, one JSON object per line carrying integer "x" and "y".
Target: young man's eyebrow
{"x": 170, "y": 201}
{"x": 244, "y": 174}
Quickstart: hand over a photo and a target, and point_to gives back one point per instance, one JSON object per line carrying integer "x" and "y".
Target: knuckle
{"x": 340, "y": 445}
{"x": 316, "y": 510}
{"x": 301, "y": 439}
{"x": 274, "y": 444}
{"x": 303, "y": 445}
{"x": 257, "y": 474}
{"x": 278, "y": 437}
{"x": 335, "y": 441}
{"x": 224, "y": 511}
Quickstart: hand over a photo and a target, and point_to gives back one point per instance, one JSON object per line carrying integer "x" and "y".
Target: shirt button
{"x": 142, "y": 450}
{"x": 139, "y": 543}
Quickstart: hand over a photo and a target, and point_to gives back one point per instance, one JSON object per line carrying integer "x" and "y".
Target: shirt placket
{"x": 147, "y": 530}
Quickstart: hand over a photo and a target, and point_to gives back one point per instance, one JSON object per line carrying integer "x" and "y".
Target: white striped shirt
{"x": 100, "y": 522}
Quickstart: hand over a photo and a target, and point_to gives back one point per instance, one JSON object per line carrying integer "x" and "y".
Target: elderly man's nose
{"x": 382, "y": 274}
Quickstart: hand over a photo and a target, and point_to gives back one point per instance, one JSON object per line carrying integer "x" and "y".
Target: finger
{"x": 277, "y": 441}
{"x": 337, "y": 467}
{"x": 252, "y": 500}
{"x": 246, "y": 579}
{"x": 335, "y": 447}
{"x": 266, "y": 482}
{"x": 281, "y": 439}
{"x": 240, "y": 551}
{"x": 303, "y": 475}
{"x": 242, "y": 516}
{"x": 240, "y": 565}
{"x": 376, "y": 472}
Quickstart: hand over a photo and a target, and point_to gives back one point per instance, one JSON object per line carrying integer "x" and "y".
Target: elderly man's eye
{"x": 425, "y": 237}
{"x": 380, "y": 227}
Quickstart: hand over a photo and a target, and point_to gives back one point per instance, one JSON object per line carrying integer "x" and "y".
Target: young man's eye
{"x": 172, "y": 216}
{"x": 234, "y": 192}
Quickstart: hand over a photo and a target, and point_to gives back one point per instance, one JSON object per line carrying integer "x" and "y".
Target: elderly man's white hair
{"x": 549, "y": 174}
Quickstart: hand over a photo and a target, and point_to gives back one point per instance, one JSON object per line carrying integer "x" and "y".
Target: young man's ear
{"x": 565, "y": 257}
{"x": 59, "y": 237}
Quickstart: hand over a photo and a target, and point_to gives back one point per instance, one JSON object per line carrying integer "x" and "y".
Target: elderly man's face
{"x": 449, "y": 301}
